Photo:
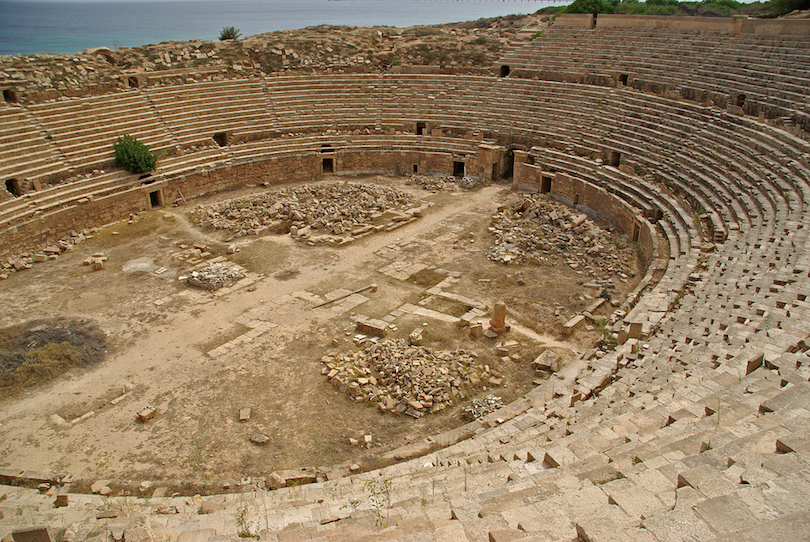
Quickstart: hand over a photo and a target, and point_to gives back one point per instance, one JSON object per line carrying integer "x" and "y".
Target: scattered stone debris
{"x": 260, "y": 439}
{"x": 406, "y": 379}
{"x": 538, "y": 230}
{"x": 442, "y": 183}
{"x": 96, "y": 261}
{"x": 316, "y": 214}
{"x": 215, "y": 276}
{"x": 547, "y": 362}
{"x": 101, "y": 487}
{"x": 26, "y": 260}
{"x": 483, "y": 406}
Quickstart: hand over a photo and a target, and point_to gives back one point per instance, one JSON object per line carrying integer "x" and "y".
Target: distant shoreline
{"x": 70, "y": 27}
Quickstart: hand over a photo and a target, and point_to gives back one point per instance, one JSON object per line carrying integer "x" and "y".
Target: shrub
{"x": 133, "y": 156}
{"x": 229, "y": 33}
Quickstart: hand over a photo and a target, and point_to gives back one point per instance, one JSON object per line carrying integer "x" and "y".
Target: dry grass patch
{"x": 41, "y": 350}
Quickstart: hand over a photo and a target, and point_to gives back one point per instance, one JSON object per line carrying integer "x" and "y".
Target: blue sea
{"x": 64, "y": 26}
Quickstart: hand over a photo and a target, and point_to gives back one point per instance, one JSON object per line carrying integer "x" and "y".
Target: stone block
{"x": 604, "y": 529}
{"x": 548, "y": 361}
{"x": 202, "y": 535}
{"x": 571, "y": 325}
{"x": 558, "y": 456}
{"x": 506, "y": 535}
{"x": 371, "y": 326}
{"x": 790, "y": 443}
{"x": 726, "y": 514}
{"x": 452, "y": 532}
{"x": 32, "y": 534}
{"x": 677, "y": 526}
{"x": 634, "y": 330}
{"x": 210, "y": 507}
{"x": 147, "y": 414}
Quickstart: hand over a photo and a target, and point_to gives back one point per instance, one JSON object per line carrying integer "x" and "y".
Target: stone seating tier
{"x": 695, "y": 430}
{"x": 773, "y": 78}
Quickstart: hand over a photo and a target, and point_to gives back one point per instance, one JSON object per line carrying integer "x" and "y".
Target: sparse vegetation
{"x": 229, "y": 33}
{"x": 41, "y": 350}
{"x": 133, "y": 156}
{"x": 244, "y": 528}
{"x": 709, "y": 8}
{"x": 380, "y": 497}
{"x": 605, "y": 333}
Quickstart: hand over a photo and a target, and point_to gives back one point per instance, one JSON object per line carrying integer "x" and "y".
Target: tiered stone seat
{"x": 653, "y": 56}
{"x": 84, "y": 129}
{"x": 304, "y": 103}
{"x": 250, "y": 152}
{"x": 25, "y": 152}
{"x": 697, "y": 430}
{"x": 769, "y": 73}
{"x": 460, "y": 103}
{"x": 195, "y": 112}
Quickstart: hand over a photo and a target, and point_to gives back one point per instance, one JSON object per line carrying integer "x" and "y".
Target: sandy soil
{"x": 161, "y": 333}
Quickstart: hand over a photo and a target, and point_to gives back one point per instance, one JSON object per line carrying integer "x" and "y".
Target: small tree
{"x": 229, "y": 33}
{"x": 133, "y": 156}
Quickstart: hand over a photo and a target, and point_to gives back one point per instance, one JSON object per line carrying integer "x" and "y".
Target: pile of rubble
{"x": 481, "y": 407}
{"x": 26, "y": 260}
{"x": 215, "y": 276}
{"x": 442, "y": 183}
{"x": 316, "y": 213}
{"x": 541, "y": 231}
{"x": 412, "y": 380}
{"x": 23, "y": 261}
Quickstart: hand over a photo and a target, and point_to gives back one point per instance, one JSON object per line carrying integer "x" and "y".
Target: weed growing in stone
{"x": 244, "y": 528}
{"x": 380, "y": 498}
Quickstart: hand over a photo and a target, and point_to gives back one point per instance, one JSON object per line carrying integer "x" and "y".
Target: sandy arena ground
{"x": 162, "y": 333}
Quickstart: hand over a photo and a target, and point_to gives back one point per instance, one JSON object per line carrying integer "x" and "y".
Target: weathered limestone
{"x": 497, "y": 323}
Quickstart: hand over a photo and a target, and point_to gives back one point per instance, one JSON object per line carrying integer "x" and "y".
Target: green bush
{"x": 133, "y": 156}
{"x": 229, "y": 33}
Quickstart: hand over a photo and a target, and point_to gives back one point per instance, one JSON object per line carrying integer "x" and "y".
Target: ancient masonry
{"x": 689, "y": 135}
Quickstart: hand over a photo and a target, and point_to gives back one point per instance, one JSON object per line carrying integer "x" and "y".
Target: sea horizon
{"x": 68, "y": 27}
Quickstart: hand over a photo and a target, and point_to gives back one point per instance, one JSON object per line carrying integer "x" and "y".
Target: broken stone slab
{"x": 572, "y": 324}
{"x": 471, "y": 316}
{"x": 292, "y": 477}
{"x": 244, "y": 414}
{"x": 548, "y": 361}
{"x": 260, "y": 439}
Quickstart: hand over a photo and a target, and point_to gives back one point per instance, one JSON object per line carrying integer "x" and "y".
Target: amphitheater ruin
{"x": 631, "y": 189}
